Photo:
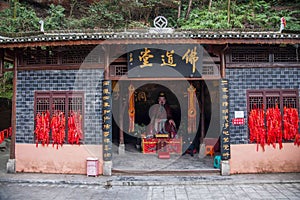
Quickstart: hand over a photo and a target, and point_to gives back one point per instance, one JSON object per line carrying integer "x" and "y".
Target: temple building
{"x": 233, "y": 101}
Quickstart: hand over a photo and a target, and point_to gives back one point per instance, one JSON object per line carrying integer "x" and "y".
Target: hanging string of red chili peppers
{"x": 271, "y": 132}
{"x": 274, "y": 126}
{"x": 57, "y": 125}
{"x": 58, "y": 122}
{"x": 6, "y": 133}
{"x": 291, "y": 125}
{"x": 257, "y": 127}
{"x": 42, "y": 128}
{"x": 75, "y": 128}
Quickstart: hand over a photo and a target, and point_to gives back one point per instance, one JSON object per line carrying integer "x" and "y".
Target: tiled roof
{"x": 142, "y": 35}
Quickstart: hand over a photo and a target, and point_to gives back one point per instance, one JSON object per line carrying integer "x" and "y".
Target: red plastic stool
{"x": 209, "y": 149}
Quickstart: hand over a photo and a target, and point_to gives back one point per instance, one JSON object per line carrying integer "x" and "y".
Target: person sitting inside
{"x": 161, "y": 118}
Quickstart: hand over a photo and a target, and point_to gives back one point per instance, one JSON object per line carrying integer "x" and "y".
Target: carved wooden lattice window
{"x": 40, "y": 56}
{"x": 78, "y": 55}
{"x": 75, "y": 104}
{"x": 287, "y": 54}
{"x": 263, "y": 54}
{"x": 118, "y": 70}
{"x": 270, "y": 98}
{"x": 209, "y": 70}
{"x": 249, "y": 55}
{"x": 264, "y": 99}
{"x": 59, "y": 101}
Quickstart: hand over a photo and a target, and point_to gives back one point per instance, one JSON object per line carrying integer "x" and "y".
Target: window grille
{"x": 263, "y": 54}
{"x": 39, "y": 56}
{"x": 42, "y": 104}
{"x": 118, "y": 70}
{"x": 58, "y": 105}
{"x": 287, "y": 54}
{"x": 265, "y": 99}
{"x": 78, "y": 55}
{"x": 75, "y": 104}
{"x": 249, "y": 55}
{"x": 271, "y": 98}
{"x": 58, "y": 101}
{"x": 208, "y": 70}
{"x": 290, "y": 102}
{"x": 255, "y": 102}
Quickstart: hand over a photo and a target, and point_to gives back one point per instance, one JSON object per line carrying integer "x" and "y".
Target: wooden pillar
{"x": 223, "y": 62}
{"x": 13, "y": 118}
{"x": 1, "y": 62}
{"x": 202, "y": 114}
{"x": 121, "y": 114}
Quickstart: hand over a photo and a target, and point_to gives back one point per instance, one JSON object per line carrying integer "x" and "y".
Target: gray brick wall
{"x": 88, "y": 81}
{"x": 242, "y": 79}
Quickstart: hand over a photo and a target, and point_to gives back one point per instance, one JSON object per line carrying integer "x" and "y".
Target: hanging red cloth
{"x": 192, "y": 112}
{"x": 131, "y": 109}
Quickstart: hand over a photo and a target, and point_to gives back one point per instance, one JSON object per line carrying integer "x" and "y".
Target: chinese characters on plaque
{"x": 224, "y": 114}
{"x": 165, "y": 60}
{"x": 107, "y": 120}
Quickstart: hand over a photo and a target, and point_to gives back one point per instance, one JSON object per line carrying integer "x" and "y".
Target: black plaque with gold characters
{"x": 107, "y": 120}
{"x": 165, "y": 60}
{"x": 224, "y": 114}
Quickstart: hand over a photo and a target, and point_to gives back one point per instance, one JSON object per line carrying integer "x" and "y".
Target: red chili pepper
{"x": 58, "y": 129}
{"x": 274, "y": 132}
{"x": 257, "y": 127}
{"x": 74, "y": 127}
{"x": 1, "y": 136}
{"x": 42, "y": 128}
{"x": 291, "y": 125}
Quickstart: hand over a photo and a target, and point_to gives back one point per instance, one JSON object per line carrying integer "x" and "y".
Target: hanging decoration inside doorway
{"x": 192, "y": 113}
{"x": 131, "y": 109}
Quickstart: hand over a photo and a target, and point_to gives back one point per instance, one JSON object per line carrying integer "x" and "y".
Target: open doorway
{"x": 145, "y": 96}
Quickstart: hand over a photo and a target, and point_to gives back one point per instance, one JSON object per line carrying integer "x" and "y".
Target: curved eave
{"x": 145, "y": 38}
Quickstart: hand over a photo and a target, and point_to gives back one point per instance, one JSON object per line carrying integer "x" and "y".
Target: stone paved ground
{"x": 150, "y": 187}
{"x": 32, "y": 191}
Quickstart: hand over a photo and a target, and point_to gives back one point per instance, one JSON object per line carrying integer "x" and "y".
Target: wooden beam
{"x": 262, "y": 65}
{"x": 59, "y": 67}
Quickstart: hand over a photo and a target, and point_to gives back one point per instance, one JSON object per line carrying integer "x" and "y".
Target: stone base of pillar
{"x": 225, "y": 168}
{"x": 107, "y": 168}
{"x": 202, "y": 151}
{"x": 121, "y": 150}
{"x": 11, "y": 166}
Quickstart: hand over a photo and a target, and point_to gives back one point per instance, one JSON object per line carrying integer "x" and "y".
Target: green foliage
{"x": 244, "y": 14}
{"x": 102, "y": 15}
{"x": 26, "y": 19}
{"x": 56, "y": 19}
{"x": 6, "y": 85}
{"x": 114, "y": 14}
{"x": 202, "y": 19}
